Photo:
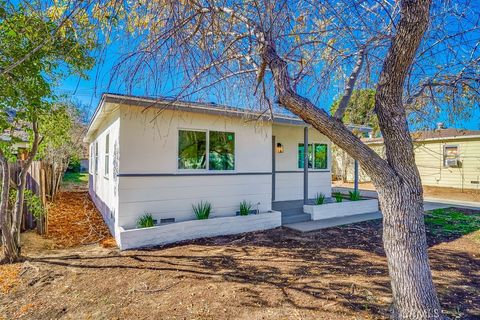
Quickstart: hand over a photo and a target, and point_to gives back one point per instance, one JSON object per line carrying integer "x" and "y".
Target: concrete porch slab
{"x": 333, "y": 222}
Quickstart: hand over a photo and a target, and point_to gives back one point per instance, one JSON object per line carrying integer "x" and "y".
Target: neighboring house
{"x": 160, "y": 157}
{"x": 444, "y": 157}
{"x": 84, "y": 165}
{"x": 20, "y": 147}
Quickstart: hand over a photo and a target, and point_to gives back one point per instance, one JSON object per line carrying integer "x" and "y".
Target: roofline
{"x": 199, "y": 107}
{"x": 217, "y": 109}
{"x": 463, "y": 137}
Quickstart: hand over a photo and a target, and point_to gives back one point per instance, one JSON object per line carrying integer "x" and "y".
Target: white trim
{"x": 96, "y": 155}
{"x": 106, "y": 163}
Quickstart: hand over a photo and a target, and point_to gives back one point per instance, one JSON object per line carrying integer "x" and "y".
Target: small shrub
{"x": 202, "y": 210}
{"x": 34, "y": 204}
{"x": 338, "y": 196}
{"x": 145, "y": 221}
{"x": 319, "y": 198}
{"x": 74, "y": 165}
{"x": 354, "y": 195}
{"x": 245, "y": 208}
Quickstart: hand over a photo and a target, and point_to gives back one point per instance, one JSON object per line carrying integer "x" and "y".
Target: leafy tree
{"x": 360, "y": 109}
{"x": 36, "y": 50}
{"x": 62, "y": 131}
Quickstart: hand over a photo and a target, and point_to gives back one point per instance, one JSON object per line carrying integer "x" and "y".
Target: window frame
{"x": 106, "y": 164}
{"x": 91, "y": 159}
{"x": 313, "y": 156}
{"x": 444, "y": 155}
{"x": 207, "y": 151}
{"x": 96, "y": 158}
{"x": 234, "y": 151}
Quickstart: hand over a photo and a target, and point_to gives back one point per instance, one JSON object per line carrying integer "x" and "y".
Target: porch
{"x": 294, "y": 217}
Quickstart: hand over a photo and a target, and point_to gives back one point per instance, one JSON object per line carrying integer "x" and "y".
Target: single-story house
{"x": 19, "y": 148}
{"x": 445, "y": 157}
{"x": 160, "y": 157}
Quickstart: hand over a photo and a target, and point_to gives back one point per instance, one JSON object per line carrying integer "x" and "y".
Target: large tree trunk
{"x": 19, "y": 203}
{"x": 396, "y": 179}
{"x": 414, "y": 295}
{"x": 11, "y": 251}
{"x": 404, "y": 240}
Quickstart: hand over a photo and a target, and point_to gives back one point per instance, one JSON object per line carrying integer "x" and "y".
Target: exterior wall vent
{"x": 167, "y": 220}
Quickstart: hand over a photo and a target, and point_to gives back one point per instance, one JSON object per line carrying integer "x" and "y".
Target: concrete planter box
{"x": 341, "y": 209}
{"x": 194, "y": 229}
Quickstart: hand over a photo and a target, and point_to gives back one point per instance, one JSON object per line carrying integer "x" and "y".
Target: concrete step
{"x": 287, "y": 205}
{"x": 307, "y": 226}
{"x": 295, "y": 218}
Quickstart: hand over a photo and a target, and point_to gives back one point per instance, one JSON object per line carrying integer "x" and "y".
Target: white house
{"x": 161, "y": 157}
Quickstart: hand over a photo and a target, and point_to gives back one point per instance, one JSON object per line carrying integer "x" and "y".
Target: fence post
{"x": 44, "y": 200}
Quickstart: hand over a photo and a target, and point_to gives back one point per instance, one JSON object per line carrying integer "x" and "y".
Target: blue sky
{"x": 88, "y": 92}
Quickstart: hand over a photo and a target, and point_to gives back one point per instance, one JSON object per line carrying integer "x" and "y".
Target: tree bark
{"x": 11, "y": 252}
{"x": 21, "y": 183}
{"x": 396, "y": 179}
{"x": 414, "y": 295}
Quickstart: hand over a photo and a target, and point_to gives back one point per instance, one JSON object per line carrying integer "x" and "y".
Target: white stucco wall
{"x": 102, "y": 187}
{"x": 147, "y": 179}
{"x": 289, "y": 185}
{"x": 149, "y": 143}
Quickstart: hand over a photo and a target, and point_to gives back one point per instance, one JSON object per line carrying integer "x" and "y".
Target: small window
{"x": 301, "y": 156}
{"x": 192, "y": 147}
{"x": 221, "y": 150}
{"x": 96, "y": 157}
{"x": 92, "y": 158}
{"x": 320, "y": 156}
{"x": 450, "y": 156}
{"x": 317, "y": 156}
{"x": 107, "y": 154}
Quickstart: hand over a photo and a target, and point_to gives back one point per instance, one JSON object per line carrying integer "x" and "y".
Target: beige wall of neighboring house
{"x": 432, "y": 149}
{"x": 430, "y": 159}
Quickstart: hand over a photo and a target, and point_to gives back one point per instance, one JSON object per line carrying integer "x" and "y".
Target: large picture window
{"x": 317, "y": 156}
{"x": 221, "y": 154}
{"x": 193, "y": 145}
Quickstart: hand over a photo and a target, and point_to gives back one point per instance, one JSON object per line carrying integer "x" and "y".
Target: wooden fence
{"x": 43, "y": 180}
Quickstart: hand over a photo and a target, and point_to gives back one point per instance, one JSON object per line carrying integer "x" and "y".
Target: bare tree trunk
{"x": 404, "y": 236}
{"x": 11, "y": 251}
{"x": 397, "y": 179}
{"x": 404, "y": 240}
{"x": 22, "y": 181}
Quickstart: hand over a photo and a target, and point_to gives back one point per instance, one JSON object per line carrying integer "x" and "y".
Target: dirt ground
{"x": 73, "y": 220}
{"x": 336, "y": 273}
{"x": 433, "y": 192}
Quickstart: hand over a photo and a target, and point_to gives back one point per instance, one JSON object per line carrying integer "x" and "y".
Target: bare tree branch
{"x": 349, "y": 86}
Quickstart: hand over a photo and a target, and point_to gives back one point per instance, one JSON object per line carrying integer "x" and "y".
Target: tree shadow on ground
{"x": 343, "y": 266}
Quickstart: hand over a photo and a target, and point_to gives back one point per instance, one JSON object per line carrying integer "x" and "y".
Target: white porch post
{"x": 305, "y": 165}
